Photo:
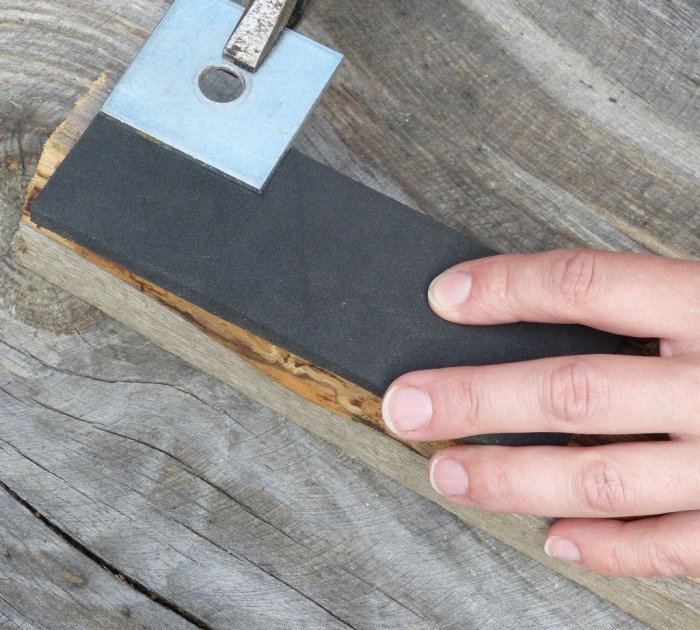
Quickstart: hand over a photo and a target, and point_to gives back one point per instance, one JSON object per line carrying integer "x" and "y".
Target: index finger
{"x": 632, "y": 294}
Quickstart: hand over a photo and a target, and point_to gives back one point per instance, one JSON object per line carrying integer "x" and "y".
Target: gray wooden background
{"x": 137, "y": 492}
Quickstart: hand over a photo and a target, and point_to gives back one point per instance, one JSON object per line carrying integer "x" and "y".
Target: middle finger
{"x": 585, "y": 394}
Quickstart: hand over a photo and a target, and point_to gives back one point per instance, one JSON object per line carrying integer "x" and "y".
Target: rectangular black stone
{"x": 318, "y": 264}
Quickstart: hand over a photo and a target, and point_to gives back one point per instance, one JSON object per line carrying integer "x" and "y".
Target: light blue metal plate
{"x": 159, "y": 94}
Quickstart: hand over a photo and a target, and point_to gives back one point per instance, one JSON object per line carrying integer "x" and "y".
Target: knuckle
{"x": 664, "y": 559}
{"x": 689, "y": 388}
{"x": 467, "y": 397}
{"x": 569, "y": 395}
{"x": 493, "y": 488}
{"x": 574, "y": 278}
{"x": 615, "y": 561}
{"x": 601, "y": 488}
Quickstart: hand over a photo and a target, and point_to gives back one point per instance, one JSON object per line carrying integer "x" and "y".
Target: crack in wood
{"x": 106, "y": 565}
{"x": 187, "y": 468}
{"x": 184, "y": 466}
{"x": 99, "y": 379}
{"x": 268, "y": 571}
{"x": 401, "y": 604}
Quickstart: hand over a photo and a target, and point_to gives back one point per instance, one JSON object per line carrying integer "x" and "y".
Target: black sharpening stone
{"x": 318, "y": 264}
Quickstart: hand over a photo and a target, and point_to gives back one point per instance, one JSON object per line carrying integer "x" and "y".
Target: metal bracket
{"x": 160, "y": 95}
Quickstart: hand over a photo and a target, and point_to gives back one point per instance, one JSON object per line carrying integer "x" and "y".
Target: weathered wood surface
{"x": 48, "y": 583}
{"x": 656, "y": 602}
{"x": 224, "y": 351}
{"x": 313, "y": 383}
{"x": 527, "y": 157}
{"x": 206, "y": 499}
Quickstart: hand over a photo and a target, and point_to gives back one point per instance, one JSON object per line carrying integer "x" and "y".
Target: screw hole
{"x": 221, "y": 84}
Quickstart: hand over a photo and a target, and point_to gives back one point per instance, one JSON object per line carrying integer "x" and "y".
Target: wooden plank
{"x": 176, "y": 334}
{"x": 521, "y": 123}
{"x": 144, "y": 512}
{"x": 297, "y": 374}
{"x": 45, "y": 582}
{"x": 409, "y": 155}
{"x": 109, "y": 420}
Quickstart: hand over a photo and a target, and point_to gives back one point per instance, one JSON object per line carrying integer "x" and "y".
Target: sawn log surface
{"x": 526, "y": 124}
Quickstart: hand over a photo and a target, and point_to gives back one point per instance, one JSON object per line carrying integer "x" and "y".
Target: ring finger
{"x": 617, "y": 480}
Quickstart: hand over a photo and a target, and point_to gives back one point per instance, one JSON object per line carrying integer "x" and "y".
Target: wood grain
{"x": 46, "y": 583}
{"x": 166, "y": 328}
{"x": 186, "y": 486}
{"x": 526, "y": 124}
{"x": 296, "y": 373}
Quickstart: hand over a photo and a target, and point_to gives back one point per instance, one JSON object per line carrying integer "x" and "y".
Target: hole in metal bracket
{"x": 221, "y": 84}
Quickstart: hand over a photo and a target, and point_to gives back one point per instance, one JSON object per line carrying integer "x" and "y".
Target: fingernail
{"x": 450, "y": 290}
{"x": 448, "y": 477}
{"x": 406, "y": 409}
{"x": 562, "y": 548}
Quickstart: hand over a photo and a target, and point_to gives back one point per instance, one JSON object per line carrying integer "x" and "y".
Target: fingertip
{"x": 448, "y": 476}
{"x": 562, "y": 549}
{"x": 597, "y": 545}
{"x": 449, "y": 292}
{"x": 406, "y": 408}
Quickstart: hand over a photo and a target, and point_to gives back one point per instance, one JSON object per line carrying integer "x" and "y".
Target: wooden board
{"x": 185, "y": 486}
{"x": 48, "y": 583}
{"x": 559, "y": 163}
{"x": 196, "y": 336}
{"x": 308, "y": 380}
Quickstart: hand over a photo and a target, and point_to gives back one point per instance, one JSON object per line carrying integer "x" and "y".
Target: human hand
{"x": 630, "y": 294}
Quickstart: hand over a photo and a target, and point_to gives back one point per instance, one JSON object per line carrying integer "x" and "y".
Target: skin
{"x": 593, "y": 488}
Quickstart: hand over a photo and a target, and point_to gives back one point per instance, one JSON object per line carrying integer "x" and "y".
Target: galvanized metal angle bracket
{"x": 160, "y": 94}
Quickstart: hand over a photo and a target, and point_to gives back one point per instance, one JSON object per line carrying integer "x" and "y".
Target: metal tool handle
{"x": 258, "y": 30}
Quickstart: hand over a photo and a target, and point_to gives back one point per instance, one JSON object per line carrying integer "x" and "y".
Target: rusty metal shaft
{"x": 258, "y": 30}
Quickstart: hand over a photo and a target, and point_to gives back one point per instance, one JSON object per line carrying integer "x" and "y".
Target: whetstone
{"x": 318, "y": 264}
